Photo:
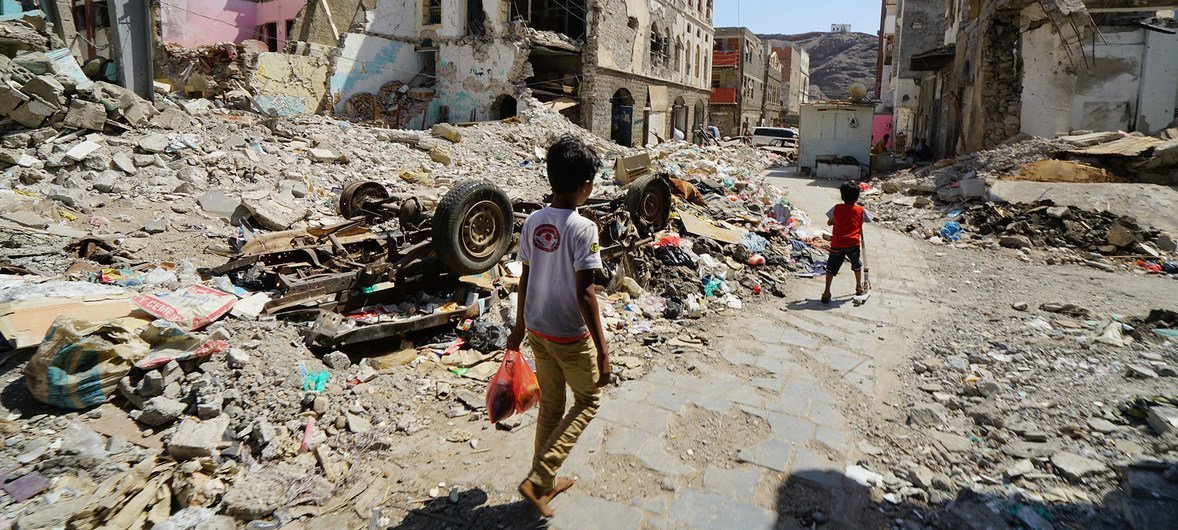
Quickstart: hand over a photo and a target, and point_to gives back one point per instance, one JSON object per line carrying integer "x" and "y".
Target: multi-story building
{"x": 738, "y": 81}
{"x": 635, "y": 72}
{"x": 773, "y": 100}
{"x": 795, "y": 81}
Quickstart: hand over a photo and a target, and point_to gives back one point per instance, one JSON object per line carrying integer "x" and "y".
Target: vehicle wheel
{"x": 472, "y": 227}
{"x": 357, "y": 194}
{"x": 649, "y": 203}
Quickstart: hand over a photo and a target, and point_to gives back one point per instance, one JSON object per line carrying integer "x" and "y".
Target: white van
{"x": 775, "y": 136}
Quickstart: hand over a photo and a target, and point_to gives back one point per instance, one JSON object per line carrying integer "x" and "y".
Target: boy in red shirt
{"x": 847, "y": 219}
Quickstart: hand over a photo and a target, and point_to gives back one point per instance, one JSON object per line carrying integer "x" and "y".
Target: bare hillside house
{"x": 631, "y": 70}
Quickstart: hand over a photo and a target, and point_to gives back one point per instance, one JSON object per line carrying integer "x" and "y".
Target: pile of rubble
{"x": 206, "y": 400}
{"x": 1021, "y": 415}
{"x": 964, "y": 202}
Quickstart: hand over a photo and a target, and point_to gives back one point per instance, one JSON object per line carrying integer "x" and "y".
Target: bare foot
{"x": 562, "y": 485}
{"x": 539, "y": 500}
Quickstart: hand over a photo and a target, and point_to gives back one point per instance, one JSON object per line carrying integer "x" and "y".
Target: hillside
{"x": 836, "y": 59}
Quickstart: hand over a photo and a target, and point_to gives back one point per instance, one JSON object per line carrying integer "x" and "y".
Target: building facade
{"x": 795, "y": 81}
{"x": 738, "y": 81}
{"x": 634, "y": 71}
{"x": 773, "y": 100}
{"x": 985, "y": 71}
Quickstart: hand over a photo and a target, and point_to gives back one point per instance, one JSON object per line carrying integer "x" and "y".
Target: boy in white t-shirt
{"x": 558, "y": 311}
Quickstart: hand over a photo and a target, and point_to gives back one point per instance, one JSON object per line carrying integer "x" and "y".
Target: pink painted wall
{"x": 197, "y": 22}
{"x": 279, "y": 11}
{"x": 880, "y": 126}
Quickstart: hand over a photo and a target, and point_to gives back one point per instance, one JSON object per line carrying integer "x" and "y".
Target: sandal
{"x": 826, "y": 298}
{"x": 860, "y": 292}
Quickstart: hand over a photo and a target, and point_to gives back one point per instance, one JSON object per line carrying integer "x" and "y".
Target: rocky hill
{"x": 836, "y": 59}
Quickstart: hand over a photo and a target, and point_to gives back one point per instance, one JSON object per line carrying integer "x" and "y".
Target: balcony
{"x": 723, "y": 95}
{"x": 728, "y": 59}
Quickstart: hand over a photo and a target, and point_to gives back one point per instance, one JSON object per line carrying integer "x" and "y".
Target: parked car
{"x": 775, "y": 136}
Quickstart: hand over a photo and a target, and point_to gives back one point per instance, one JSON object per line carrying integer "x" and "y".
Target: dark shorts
{"x": 838, "y": 255}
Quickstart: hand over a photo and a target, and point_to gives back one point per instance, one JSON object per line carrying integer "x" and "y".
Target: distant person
{"x": 847, "y": 219}
{"x": 914, "y": 150}
{"x": 881, "y": 146}
{"x": 926, "y": 152}
{"x": 559, "y": 314}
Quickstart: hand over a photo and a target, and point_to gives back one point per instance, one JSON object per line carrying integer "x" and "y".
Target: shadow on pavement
{"x": 472, "y": 512}
{"x": 815, "y": 304}
{"x": 1146, "y": 499}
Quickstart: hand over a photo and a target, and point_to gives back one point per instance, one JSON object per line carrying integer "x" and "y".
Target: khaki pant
{"x": 558, "y": 365}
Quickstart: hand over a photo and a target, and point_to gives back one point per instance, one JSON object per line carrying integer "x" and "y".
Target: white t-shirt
{"x": 556, "y": 243}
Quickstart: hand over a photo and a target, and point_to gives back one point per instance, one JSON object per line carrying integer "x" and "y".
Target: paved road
{"x": 813, "y": 365}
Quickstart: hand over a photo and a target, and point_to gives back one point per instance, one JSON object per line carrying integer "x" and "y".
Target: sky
{"x": 798, "y": 16}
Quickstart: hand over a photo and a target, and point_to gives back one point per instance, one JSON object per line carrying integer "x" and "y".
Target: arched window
{"x": 678, "y": 54}
{"x": 667, "y": 48}
{"x": 656, "y": 48}
{"x": 696, "y": 60}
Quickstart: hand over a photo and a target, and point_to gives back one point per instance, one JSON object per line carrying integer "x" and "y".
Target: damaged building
{"x": 633, "y": 71}
{"x": 739, "y": 72}
{"x": 968, "y": 75}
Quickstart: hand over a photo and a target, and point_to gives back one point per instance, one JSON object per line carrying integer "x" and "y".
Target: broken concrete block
{"x": 973, "y": 188}
{"x": 274, "y": 212}
{"x": 79, "y": 152}
{"x": 1075, "y": 467}
{"x": 447, "y": 131}
{"x": 1163, "y": 419}
{"x": 86, "y": 115}
{"x": 105, "y": 182}
{"x": 1015, "y": 242}
{"x": 10, "y": 97}
{"x": 125, "y": 163}
{"x": 1120, "y": 236}
{"x": 196, "y": 439}
{"x": 32, "y": 113}
{"x": 174, "y": 119}
{"x": 161, "y": 411}
{"x": 46, "y": 88}
{"x": 323, "y": 155}
{"x": 153, "y": 143}
{"x": 27, "y": 219}
{"x": 219, "y": 204}
{"x": 440, "y": 155}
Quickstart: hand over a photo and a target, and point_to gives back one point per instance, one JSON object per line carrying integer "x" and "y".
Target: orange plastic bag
{"x": 513, "y": 389}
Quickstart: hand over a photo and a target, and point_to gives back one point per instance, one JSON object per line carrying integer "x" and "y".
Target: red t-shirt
{"x": 848, "y": 224}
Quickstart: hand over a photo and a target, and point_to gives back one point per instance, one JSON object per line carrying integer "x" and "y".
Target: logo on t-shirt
{"x": 546, "y": 238}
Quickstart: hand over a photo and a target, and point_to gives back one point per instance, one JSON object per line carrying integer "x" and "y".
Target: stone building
{"x": 631, "y": 70}
{"x": 738, "y": 81}
{"x": 773, "y": 100}
{"x": 795, "y": 81}
{"x": 987, "y": 70}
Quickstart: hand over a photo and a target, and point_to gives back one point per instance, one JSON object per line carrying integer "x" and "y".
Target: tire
{"x": 648, "y": 200}
{"x": 472, "y": 227}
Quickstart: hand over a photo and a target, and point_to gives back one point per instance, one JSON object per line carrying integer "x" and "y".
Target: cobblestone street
{"x": 804, "y": 385}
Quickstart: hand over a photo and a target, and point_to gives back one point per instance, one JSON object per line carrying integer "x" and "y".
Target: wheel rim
{"x": 651, "y": 207}
{"x": 353, "y": 199}
{"x": 480, "y": 229}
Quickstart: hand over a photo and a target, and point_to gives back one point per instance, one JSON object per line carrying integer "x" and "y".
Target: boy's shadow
{"x": 815, "y": 304}
{"x": 472, "y": 512}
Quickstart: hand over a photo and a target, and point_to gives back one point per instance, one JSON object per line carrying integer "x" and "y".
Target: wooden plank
{"x": 699, "y": 227}
{"x": 1127, "y": 146}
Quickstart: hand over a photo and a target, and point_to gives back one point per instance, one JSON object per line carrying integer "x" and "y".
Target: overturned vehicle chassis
{"x": 324, "y": 274}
